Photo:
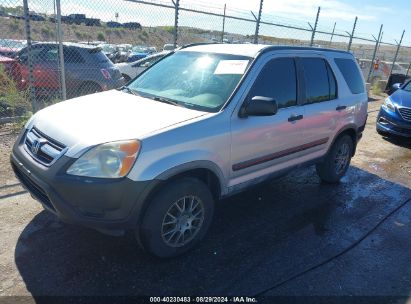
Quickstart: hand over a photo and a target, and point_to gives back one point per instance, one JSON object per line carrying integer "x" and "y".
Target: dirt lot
{"x": 292, "y": 236}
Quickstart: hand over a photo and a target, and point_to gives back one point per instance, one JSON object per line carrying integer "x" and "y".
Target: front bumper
{"x": 391, "y": 122}
{"x": 108, "y": 205}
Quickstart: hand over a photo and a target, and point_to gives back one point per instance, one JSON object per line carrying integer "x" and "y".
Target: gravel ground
{"x": 261, "y": 241}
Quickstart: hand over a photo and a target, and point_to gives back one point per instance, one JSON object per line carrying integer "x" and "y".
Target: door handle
{"x": 339, "y": 108}
{"x": 295, "y": 117}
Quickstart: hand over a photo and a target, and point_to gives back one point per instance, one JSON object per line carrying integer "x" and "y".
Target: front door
{"x": 264, "y": 144}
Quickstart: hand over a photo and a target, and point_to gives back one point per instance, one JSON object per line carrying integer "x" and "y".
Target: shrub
{"x": 14, "y": 26}
{"x": 46, "y": 31}
{"x": 79, "y": 35}
{"x": 12, "y": 101}
{"x": 101, "y": 37}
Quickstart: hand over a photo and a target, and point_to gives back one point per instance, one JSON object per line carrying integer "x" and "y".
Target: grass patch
{"x": 101, "y": 36}
{"x": 376, "y": 89}
{"x": 13, "y": 102}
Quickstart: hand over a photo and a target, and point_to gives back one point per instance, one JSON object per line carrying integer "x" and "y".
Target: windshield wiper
{"x": 167, "y": 100}
{"x": 128, "y": 90}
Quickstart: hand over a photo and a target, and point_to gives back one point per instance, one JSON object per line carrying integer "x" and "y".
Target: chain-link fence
{"x": 51, "y": 50}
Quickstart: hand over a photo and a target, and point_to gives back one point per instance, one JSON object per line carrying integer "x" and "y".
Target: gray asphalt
{"x": 258, "y": 240}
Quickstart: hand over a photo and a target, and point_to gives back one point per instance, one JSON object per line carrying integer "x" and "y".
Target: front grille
{"x": 405, "y": 113}
{"x": 33, "y": 187}
{"x": 43, "y": 148}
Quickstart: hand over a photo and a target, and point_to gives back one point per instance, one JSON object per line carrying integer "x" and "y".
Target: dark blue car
{"x": 395, "y": 113}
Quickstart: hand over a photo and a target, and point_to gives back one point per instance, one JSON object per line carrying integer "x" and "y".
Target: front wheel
{"x": 177, "y": 218}
{"x": 337, "y": 161}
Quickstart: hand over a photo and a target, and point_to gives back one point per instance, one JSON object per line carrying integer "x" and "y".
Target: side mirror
{"x": 259, "y": 106}
{"x": 396, "y": 86}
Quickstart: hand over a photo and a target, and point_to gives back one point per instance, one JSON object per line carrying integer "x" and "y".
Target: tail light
{"x": 106, "y": 74}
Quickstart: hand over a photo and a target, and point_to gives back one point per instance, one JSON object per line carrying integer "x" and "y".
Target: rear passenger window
{"x": 320, "y": 83}
{"x": 72, "y": 56}
{"x": 351, "y": 74}
{"x": 277, "y": 80}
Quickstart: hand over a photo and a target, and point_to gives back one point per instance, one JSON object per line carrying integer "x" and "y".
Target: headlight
{"x": 389, "y": 104}
{"x": 111, "y": 160}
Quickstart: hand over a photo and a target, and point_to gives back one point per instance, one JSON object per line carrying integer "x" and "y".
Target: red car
{"x": 87, "y": 69}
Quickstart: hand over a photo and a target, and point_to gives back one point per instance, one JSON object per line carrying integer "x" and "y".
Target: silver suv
{"x": 201, "y": 124}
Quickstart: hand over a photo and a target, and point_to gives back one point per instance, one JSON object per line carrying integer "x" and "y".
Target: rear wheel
{"x": 177, "y": 218}
{"x": 337, "y": 161}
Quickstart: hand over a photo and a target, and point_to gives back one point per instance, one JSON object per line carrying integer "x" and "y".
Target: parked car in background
{"x": 92, "y": 22}
{"x": 87, "y": 69}
{"x": 131, "y": 70}
{"x": 122, "y": 52}
{"x": 151, "y": 50}
{"x": 169, "y": 47}
{"x": 137, "y": 52}
{"x": 109, "y": 50}
{"x": 381, "y": 69}
{"x": 8, "y": 51}
{"x": 132, "y": 25}
{"x": 204, "y": 123}
{"x": 113, "y": 24}
{"x": 395, "y": 113}
{"x": 10, "y": 47}
{"x": 36, "y": 17}
{"x": 74, "y": 19}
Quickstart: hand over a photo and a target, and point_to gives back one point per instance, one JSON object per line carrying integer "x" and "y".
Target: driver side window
{"x": 277, "y": 80}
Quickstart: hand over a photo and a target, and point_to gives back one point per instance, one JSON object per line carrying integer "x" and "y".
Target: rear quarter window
{"x": 98, "y": 56}
{"x": 351, "y": 74}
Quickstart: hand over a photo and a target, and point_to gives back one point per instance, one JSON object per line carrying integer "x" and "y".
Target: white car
{"x": 130, "y": 70}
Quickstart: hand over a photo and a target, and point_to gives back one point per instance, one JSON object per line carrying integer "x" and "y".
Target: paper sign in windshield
{"x": 231, "y": 67}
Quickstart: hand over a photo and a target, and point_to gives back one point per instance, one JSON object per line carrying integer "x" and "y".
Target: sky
{"x": 394, "y": 14}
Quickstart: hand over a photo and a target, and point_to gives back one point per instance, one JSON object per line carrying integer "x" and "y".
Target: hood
{"x": 402, "y": 98}
{"x": 109, "y": 116}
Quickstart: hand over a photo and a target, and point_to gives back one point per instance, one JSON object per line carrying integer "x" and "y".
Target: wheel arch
{"x": 204, "y": 170}
{"x": 350, "y": 130}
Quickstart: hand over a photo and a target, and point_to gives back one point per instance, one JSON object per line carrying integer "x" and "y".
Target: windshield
{"x": 407, "y": 87}
{"x": 192, "y": 79}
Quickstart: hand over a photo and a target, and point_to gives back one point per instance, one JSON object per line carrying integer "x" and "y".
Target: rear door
{"x": 264, "y": 144}
{"x": 321, "y": 103}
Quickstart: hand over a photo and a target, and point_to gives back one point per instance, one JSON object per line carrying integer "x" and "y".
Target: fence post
{"x": 374, "y": 54}
{"x": 332, "y": 34}
{"x": 408, "y": 70}
{"x": 61, "y": 53}
{"x": 32, "y": 92}
{"x": 222, "y": 33}
{"x": 315, "y": 27}
{"x": 257, "y": 25}
{"x": 352, "y": 34}
{"x": 396, "y": 53}
{"x": 176, "y": 6}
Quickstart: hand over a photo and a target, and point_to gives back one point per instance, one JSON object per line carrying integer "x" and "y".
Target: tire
{"x": 337, "y": 161}
{"x": 165, "y": 237}
{"x": 89, "y": 88}
{"x": 126, "y": 78}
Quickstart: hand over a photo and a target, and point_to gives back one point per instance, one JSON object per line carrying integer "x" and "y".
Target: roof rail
{"x": 302, "y": 48}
